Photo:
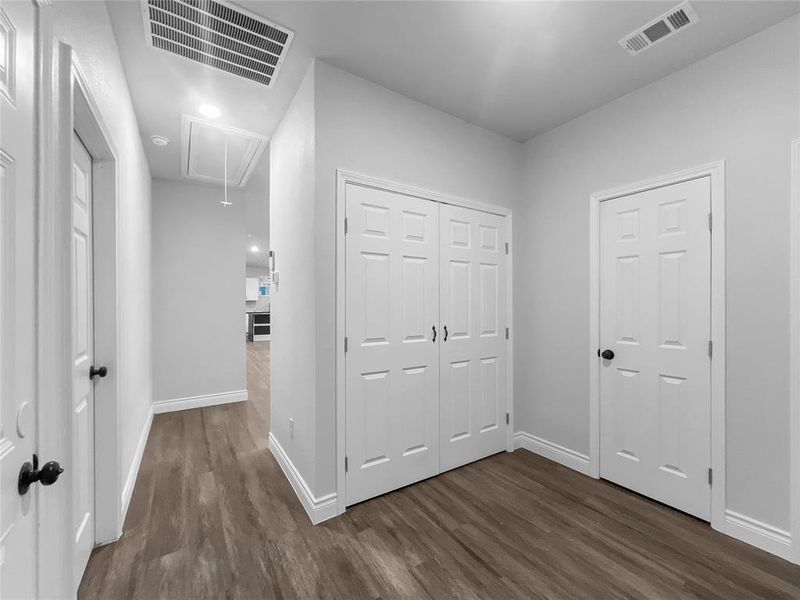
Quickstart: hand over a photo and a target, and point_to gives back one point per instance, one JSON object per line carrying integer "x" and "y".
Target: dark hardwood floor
{"x": 212, "y": 517}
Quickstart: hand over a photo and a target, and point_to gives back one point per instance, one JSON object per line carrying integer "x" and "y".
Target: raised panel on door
{"x": 392, "y": 366}
{"x": 82, "y": 346}
{"x": 18, "y": 513}
{"x": 473, "y": 349}
{"x": 655, "y": 315}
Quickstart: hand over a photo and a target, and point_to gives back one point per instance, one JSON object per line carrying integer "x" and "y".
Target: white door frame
{"x": 716, "y": 173}
{"x": 794, "y": 336}
{"x": 53, "y": 318}
{"x": 67, "y": 105}
{"x": 344, "y": 177}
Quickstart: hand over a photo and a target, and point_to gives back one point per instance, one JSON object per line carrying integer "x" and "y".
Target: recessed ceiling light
{"x": 254, "y": 248}
{"x": 159, "y": 140}
{"x": 208, "y": 110}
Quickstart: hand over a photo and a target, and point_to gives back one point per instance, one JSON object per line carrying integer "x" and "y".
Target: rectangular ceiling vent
{"x": 218, "y": 35}
{"x": 657, "y": 30}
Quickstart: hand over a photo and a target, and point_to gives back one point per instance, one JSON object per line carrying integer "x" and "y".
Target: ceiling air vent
{"x": 218, "y": 35}
{"x": 659, "y": 29}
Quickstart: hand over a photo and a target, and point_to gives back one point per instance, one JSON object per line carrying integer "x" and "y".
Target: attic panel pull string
{"x": 225, "y": 201}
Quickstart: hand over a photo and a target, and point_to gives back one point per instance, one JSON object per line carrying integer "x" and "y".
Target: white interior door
{"x": 473, "y": 349}
{"x": 392, "y": 362}
{"x": 655, "y": 298}
{"x": 18, "y": 513}
{"x": 83, "y": 342}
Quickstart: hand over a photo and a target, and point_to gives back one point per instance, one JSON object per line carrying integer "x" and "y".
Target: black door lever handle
{"x": 434, "y": 333}
{"x": 97, "y": 371}
{"x": 30, "y": 474}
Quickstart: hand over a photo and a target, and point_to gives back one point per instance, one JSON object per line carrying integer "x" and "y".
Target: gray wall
{"x": 338, "y": 120}
{"x": 251, "y": 271}
{"x": 198, "y": 291}
{"x": 740, "y": 105}
{"x": 291, "y": 210}
{"x": 257, "y": 213}
{"x": 366, "y": 128}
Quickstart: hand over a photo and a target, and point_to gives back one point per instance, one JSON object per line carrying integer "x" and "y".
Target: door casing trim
{"x": 344, "y": 177}
{"x": 715, "y": 171}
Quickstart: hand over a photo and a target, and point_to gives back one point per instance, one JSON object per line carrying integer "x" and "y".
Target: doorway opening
{"x": 258, "y": 284}
{"x": 94, "y": 439}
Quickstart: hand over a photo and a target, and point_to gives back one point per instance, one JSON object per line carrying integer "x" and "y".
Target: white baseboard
{"x": 130, "y": 480}
{"x": 759, "y": 534}
{"x": 318, "y": 509}
{"x": 164, "y": 406}
{"x": 560, "y": 454}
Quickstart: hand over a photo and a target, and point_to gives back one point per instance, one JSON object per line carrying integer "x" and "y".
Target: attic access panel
{"x": 203, "y": 149}
{"x": 219, "y": 35}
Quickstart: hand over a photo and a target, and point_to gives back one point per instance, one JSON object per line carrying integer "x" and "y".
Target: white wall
{"x": 86, "y": 27}
{"x": 291, "y": 235}
{"x": 336, "y": 121}
{"x": 369, "y": 129}
{"x": 740, "y": 105}
{"x": 257, "y": 213}
{"x": 252, "y": 271}
{"x": 198, "y": 291}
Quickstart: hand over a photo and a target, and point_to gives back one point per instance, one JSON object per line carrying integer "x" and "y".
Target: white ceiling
{"x": 516, "y": 68}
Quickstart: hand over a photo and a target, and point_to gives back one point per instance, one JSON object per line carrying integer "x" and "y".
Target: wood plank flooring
{"x": 213, "y": 517}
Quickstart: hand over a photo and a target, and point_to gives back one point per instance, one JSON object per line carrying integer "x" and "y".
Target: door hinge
{"x": 508, "y": 418}
{"x": 710, "y": 221}
{"x": 710, "y": 476}
{"x": 506, "y": 247}
{"x": 345, "y": 345}
{"x": 345, "y": 225}
{"x": 345, "y": 464}
{"x": 507, "y": 334}
{"x": 710, "y": 348}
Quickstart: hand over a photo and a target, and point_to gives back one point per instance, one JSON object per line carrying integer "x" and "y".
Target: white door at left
{"x": 18, "y": 512}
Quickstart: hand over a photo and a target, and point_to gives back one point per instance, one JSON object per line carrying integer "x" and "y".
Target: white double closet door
{"x": 425, "y": 321}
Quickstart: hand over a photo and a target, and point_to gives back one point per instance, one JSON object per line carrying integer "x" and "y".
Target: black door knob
{"x": 607, "y": 354}
{"x": 30, "y": 473}
{"x": 95, "y": 371}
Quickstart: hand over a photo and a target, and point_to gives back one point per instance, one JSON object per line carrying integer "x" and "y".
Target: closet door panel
{"x": 473, "y": 349}
{"x": 392, "y": 363}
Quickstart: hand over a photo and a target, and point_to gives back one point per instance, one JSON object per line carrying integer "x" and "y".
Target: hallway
{"x": 213, "y": 517}
{"x": 201, "y": 485}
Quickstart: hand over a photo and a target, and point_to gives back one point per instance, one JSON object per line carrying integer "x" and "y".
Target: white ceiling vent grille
{"x": 219, "y": 35}
{"x": 659, "y": 29}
